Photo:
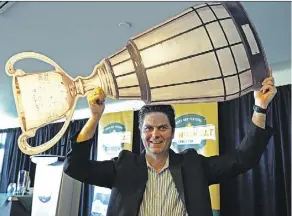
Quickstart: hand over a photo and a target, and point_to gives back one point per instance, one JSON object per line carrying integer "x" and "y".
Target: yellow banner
{"x": 115, "y": 132}
{"x": 197, "y": 127}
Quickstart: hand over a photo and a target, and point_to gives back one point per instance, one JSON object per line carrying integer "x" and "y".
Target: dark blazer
{"x": 192, "y": 173}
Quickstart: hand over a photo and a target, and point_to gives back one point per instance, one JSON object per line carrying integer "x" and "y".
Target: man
{"x": 159, "y": 182}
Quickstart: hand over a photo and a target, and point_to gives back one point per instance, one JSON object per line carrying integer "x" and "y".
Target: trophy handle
{"x": 29, "y": 150}
{"x": 26, "y": 134}
{"x": 9, "y": 67}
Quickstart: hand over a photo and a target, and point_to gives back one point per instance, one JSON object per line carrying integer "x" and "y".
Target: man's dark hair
{"x": 165, "y": 109}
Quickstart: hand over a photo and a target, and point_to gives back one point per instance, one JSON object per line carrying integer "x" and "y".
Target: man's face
{"x": 156, "y": 133}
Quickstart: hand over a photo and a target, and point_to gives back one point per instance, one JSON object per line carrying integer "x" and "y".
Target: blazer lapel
{"x": 175, "y": 170}
{"x": 143, "y": 176}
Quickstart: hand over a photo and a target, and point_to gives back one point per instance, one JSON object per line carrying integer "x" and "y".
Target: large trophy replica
{"x": 207, "y": 53}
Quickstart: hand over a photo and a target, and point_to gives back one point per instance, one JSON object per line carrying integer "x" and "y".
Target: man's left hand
{"x": 264, "y": 96}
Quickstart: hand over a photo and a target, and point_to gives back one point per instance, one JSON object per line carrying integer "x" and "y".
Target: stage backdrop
{"x": 197, "y": 127}
{"x": 115, "y": 133}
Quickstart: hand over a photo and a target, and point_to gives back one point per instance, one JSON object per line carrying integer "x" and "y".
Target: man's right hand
{"x": 96, "y": 102}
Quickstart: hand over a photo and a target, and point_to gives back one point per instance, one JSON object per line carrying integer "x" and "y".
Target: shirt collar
{"x": 166, "y": 165}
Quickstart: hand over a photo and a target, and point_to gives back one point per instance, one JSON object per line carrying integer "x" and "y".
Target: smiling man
{"x": 159, "y": 182}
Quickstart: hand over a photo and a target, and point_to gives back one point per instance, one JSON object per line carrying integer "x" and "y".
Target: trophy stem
{"x": 100, "y": 77}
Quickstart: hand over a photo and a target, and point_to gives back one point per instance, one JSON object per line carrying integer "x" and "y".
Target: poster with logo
{"x": 115, "y": 133}
{"x": 197, "y": 127}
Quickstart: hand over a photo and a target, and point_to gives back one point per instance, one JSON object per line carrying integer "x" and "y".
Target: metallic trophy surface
{"x": 207, "y": 53}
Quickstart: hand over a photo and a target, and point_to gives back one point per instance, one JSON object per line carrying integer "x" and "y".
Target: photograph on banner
{"x": 115, "y": 133}
{"x": 197, "y": 127}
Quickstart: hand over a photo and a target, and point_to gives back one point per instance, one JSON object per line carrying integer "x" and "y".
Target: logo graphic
{"x": 44, "y": 199}
{"x": 192, "y": 131}
{"x": 45, "y": 194}
{"x": 114, "y": 137}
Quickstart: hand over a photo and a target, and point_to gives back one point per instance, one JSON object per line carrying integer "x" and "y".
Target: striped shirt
{"x": 161, "y": 198}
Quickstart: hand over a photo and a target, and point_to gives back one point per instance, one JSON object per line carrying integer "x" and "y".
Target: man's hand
{"x": 96, "y": 102}
{"x": 262, "y": 99}
{"x": 264, "y": 96}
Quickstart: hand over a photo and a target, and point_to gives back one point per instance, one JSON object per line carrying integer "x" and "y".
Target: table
{"x": 16, "y": 205}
